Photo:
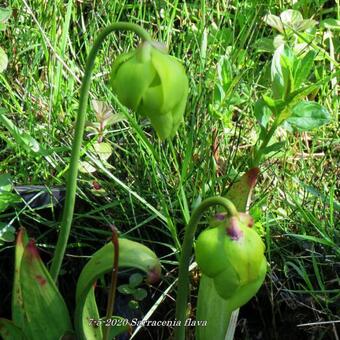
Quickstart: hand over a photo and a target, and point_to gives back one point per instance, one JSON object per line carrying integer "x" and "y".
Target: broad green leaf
{"x": 30, "y": 142}
{"x": 264, "y": 45}
{"x": 86, "y": 168}
{"x": 303, "y": 68}
{"x": 275, "y": 105}
{"x": 135, "y": 280}
{"x": 291, "y": 17}
{"x": 281, "y": 72}
{"x": 274, "y": 147}
{"x": 103, "y": 150}
{"x": 295, "y": 97}
{"x": 7, "y": 232}
{"x": 288, "y": 63}
{"x": 131, "y": 255}
{"x": 43, "y": 305}
{"x": 305, "y": 25}
{"x": 140, "y": 294}
{"x": 273, "y": 21}
{"x": 126, "y": 289}
{"x": 331, "y": 24}
{"x": 3, "y": 60}
{"x": 279, "y": 40}
{"x": 133, "y": 304}
{"x": 8, "y": 198}
{"x": 10, "y": 331}
{"x": 262, "y": 112}
{"x": 5, "y": 183}
{"x": 22, "y": 139}
{"x": 224, "y": 71}
{"x": 292, "y": 100}
{"x": 5, "y": 14}
{"x": 308, "y": 115}
{"x": 114, "y": 118}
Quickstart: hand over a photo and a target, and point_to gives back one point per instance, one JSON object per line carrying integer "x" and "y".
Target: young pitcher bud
{"x": 154, "y": 84}
{"x": 232, "y": 254}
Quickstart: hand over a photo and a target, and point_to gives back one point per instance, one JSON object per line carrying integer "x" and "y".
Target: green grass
{"x": 150, "y": 187}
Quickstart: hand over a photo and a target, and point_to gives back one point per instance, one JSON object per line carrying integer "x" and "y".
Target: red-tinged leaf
{"x": 18, "y": 314}
{"x": 240, "y": 192}
{"x": 9, "y": 331}
{"x": 45, "y": 310}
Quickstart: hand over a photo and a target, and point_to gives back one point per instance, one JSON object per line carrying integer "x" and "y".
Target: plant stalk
{"x": 183, "y": 279}
{"x": 114, "y": 276}
{"x": 259, "y": 153}
{"x": 71, "y": 185}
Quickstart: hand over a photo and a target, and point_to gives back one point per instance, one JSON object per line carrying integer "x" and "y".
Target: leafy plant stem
{"x": 257, "y": 158}
{"x": 112, "y": 293}
{"x": 183, "y": 279}
{"x": 71, "y": 185}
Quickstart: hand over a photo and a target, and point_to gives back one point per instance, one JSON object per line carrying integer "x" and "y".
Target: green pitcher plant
{"x": 231, "y": 252}
{"x": 154, "y": 84}
{"x": 219, "y": 313}
{"x": 146, "y": 80}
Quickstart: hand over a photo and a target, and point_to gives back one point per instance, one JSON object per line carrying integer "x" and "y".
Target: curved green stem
{"x": 114, "y": 277}
{"x": 71, "y": 186}
{"x": 183, "y": 279}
